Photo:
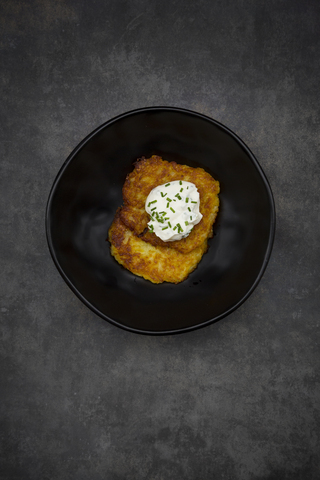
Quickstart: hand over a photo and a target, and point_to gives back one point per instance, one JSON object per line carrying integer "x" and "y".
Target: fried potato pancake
{"x": 148, "y": 174}
{"x": 155, "y": 263}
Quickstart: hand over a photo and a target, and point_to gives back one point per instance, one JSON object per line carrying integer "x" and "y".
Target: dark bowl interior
{"x": 88, "y": 190}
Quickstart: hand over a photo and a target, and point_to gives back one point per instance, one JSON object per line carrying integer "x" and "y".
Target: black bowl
{"x": 88, "y": 190}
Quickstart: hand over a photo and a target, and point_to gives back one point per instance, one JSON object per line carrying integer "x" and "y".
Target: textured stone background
{"x": 82, "y": 399}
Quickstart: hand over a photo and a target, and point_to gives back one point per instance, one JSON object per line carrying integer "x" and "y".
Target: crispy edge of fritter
{"x": 149, "y": 173}
{"x": 156, "y": 264}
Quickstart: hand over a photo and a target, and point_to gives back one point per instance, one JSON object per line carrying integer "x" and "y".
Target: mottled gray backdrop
{"x": 82, "y": 399}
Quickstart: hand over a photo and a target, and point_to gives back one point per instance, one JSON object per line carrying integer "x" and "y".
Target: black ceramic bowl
{"x": 88, "y": 190}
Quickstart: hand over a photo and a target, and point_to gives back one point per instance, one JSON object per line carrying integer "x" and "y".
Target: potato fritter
{"x": 157, "y": 264}
{"x": 148, "y": 174}
{"x": 142, "y": 252}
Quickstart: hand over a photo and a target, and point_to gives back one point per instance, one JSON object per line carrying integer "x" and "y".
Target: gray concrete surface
{"x": 82, "y": 399}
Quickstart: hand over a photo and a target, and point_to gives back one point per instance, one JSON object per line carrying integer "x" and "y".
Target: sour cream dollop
{"x": 174, "y": 210}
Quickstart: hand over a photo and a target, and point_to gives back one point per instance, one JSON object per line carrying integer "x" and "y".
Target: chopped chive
{"x": 154, "y": 208}
{"x": 167, "y": 184}
{"x": 169, "y": 224}
{"x": 180, "y": 182}
{"x": 161, "y": 213}
{"x": 168, "y": 205}
{"x": 186, "y": 223}
{"x": 165, "y": 228}
{"x": 190, "y": 217}
{"x": 174, "y": 200}
{"x": 172, "y": 210}
{"x": 189, "y": 209}
{"x": 163, "y": 194}
{"x": 192, "y": 201}
{"x": 169, "y": 199}
{"x": 187, "y": 199}
{"x": 175, "y": 227}
{"x": 167, "y": 218}
{"x": 181, "y": 189}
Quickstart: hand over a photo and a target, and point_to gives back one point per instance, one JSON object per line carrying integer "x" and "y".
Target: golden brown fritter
{"x": 157, "y": 264}
{"x": 142, "y": 252}
{"x": 148, "y": 174}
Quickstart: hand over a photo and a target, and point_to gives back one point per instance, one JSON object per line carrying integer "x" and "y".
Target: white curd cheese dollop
{"x": 174, "y": 210}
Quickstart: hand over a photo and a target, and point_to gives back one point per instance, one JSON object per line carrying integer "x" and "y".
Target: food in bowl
{"x": 161, "y": 232}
